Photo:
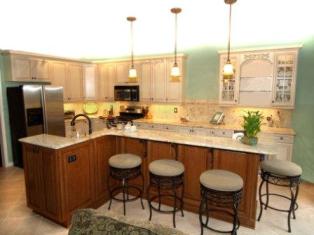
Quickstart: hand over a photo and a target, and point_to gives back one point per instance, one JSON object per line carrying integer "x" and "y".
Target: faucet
{"x": 88, "y": 119}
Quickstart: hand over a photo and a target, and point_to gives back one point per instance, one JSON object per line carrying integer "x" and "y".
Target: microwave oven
{"x": 126, "y": 93}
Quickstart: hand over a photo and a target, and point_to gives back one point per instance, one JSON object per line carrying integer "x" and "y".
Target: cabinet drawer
{"x": 221, "y": 133}
{"x": 288, "y": 139}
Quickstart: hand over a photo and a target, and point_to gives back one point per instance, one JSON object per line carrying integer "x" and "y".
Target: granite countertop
{"x": 57, "y": 142}
{"x": 264, "y": 129}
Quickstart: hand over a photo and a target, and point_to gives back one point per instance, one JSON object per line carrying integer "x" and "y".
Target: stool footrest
{"x": 163, "y": 196}
{"x": 278, "y": 195}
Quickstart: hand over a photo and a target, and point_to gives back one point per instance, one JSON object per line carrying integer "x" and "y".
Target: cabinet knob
{"x": 235, "y": 100}
{"x": 273, "y": 101}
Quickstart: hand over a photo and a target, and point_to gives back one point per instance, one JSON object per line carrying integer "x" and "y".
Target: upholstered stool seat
{"x": 281, "y": 173}
{"x": 125, "y": 161}
{"x": 166, "y": 167}
{"x": 167, "y": 177}
{"x": 124, "y": 167}
{"x": 221, "y": 180}
{"x": 281, "y": 167}
{"x": 220, "y": 190}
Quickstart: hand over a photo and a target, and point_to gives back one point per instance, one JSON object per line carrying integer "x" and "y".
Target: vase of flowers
{"x": 252, "y": 122}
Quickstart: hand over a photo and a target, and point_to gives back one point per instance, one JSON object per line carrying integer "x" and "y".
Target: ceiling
{"x": 98, "y": 28}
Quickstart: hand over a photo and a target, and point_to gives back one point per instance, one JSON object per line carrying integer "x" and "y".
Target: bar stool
{"x": 222, "y": 190}
{"x": 124, "y": 167}
{"x": 166, "y": 175}
{"x": 280, "y": 173}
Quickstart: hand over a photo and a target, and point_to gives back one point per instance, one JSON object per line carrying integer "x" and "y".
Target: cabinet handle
{"x": 235, "y": 100}
{"x": 273, "y": 101}
{"x": 281, "y": 138}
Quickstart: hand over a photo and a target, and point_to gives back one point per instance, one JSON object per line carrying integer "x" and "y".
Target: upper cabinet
{"x": 74, "y": 82}
{"x": 285, "y": 78}
{"x": 28, "y": 68}
{"x": 153, "y": 78}
{"x": 263, "y": 78}
{"x": 229, "y": 89}
{"x": 90, "y": 82}
{"x": 106, "y": 81}
{"x": 122, "y": 69}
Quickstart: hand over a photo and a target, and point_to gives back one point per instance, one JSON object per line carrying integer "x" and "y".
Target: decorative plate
{"x": 90, "y": 108}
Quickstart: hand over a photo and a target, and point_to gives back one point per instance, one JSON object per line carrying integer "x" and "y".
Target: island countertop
{"x": 57, "y": 142}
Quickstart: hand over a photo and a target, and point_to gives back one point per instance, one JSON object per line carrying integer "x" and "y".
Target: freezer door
{"x": 53, "y": 110}
{"x": 33, "y": 109}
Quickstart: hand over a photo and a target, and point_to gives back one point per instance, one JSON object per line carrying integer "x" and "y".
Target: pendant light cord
{"x": 132, "y": 45}
{"x": 228, "y": 60}
{"x": 175, "y": 39}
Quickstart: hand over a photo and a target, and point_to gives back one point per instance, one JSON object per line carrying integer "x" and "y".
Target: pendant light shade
{"x": 175, "y": 70}
{"x": 132, "y": 70}
{"x": 228, "y": 70}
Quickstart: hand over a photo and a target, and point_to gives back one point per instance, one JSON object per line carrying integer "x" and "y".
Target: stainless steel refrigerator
{"x": 33, "y": 110}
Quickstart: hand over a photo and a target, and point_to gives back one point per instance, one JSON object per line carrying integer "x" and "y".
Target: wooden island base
{"x": 63, "y": 180}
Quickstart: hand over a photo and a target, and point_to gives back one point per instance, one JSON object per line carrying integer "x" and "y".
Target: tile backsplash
{"x": 197, "y": 111}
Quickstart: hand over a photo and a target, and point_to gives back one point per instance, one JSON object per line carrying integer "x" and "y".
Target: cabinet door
{"x": 33, "y": 170}
{"x": 229, "y": 89}
{"x": 246, "y": 165}
{"x": 90, "y": 82}
{"x": 159, "y": 80}
{"x": 123, "y": 72}
{"x": 174, "y": 89}
{"x": 78, "y": 175}
{"x": 21, "y": 68}
{"x": 146, "y": 81}
{"x": 137, "y": 147}
{"x": 284, "y": 79}
{"x": 58, "y": 75}
{"x": 104, "y": 149}
{"x": 202, "y": 160}
{"x": 107, "y": 78}
{"x": 75, "y": 82}
{"x": 39, "y": 69}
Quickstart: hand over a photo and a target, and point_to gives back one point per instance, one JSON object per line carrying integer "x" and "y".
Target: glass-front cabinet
{"x": 284, "y": 79}
{"x": 261, "y": 82}
{"x": 229, "y": 88}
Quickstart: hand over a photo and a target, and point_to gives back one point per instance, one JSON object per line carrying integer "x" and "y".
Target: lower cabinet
{"x": 246, "y": 165}
{"x": 104, "y": 147}
{"x": 61, "y": 181}
{"x": 203, "y": 159}
{"x": 77, "y": 177}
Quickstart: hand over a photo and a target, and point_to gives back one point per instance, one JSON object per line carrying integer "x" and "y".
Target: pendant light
{"x": 132, "y": 70}
{"x": 228, "y": 70}
{"x": 175, "y": 71}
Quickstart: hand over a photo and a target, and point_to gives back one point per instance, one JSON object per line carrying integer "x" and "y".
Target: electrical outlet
{"x": 175, "y": 110}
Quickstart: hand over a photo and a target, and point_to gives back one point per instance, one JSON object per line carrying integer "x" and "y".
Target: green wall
{"x": 303, "y": 115}
{"x": 202, "y": 71}
{"x": 4, "y": 85}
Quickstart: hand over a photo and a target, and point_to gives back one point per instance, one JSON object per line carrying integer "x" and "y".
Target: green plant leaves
{"x": 252, "y": 122}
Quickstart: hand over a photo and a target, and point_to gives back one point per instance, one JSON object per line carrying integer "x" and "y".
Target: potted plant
{"x": 252, "y": 122}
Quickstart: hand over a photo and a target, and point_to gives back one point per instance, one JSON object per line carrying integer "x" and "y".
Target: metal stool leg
{"x": 141, "y": 195}
{"x": 267, "y": 195}
{"x": 159, "y": 198}
{"x": 260, "y": 200}
{"x": 149, "y": 203}
{"x": 123, "y": 194}
{"x": 235, "y": 218}
{"x": 109, "y": 191}
{"x": 182, "y": 201}
{"x": 200, "y": 214}
{"x": 174, "y": 206}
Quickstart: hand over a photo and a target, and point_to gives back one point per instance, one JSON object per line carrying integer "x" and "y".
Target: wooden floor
{"x": 16, "y": 218}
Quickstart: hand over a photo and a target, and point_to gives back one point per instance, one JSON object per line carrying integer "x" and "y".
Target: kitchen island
{"x": 63, "y": 174}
